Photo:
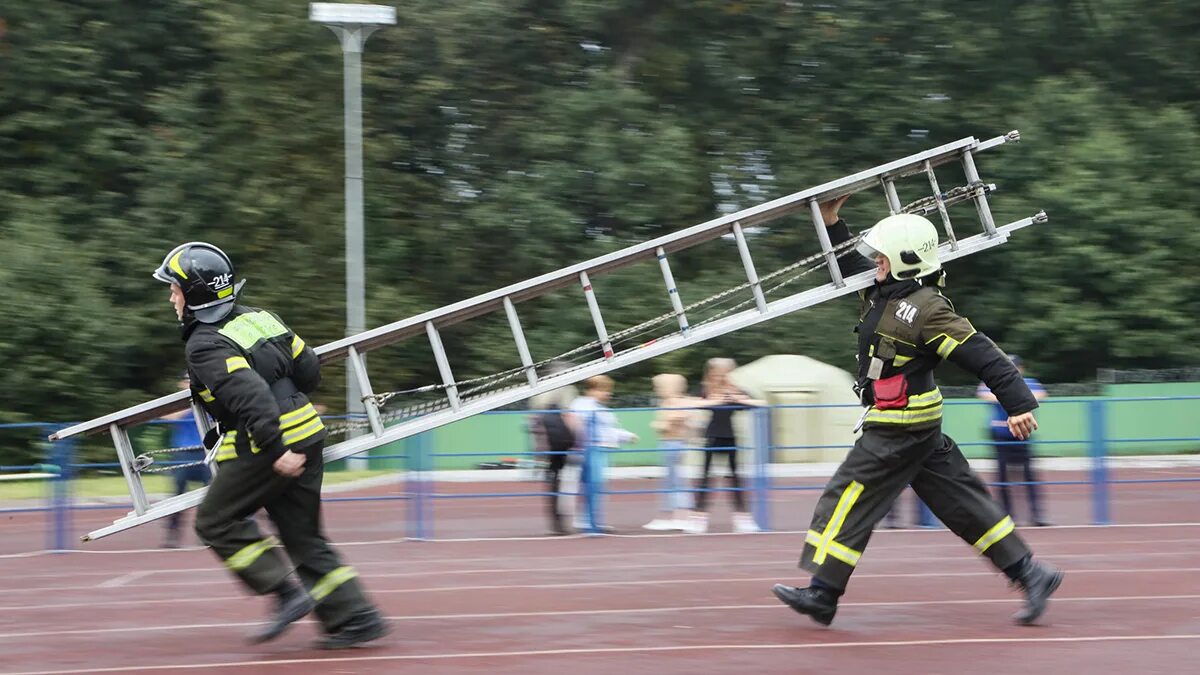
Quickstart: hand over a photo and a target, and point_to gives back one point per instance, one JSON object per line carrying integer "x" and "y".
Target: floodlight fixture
{"x": 352, "y": 14}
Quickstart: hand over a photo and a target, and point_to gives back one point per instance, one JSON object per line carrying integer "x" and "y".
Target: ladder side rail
{"x": 161, "y": 509}
{"x": 143, "y": 412}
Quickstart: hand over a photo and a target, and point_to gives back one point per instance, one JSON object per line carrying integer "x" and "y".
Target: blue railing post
{"x": 1098, "y": 449}
{"x": 762, "y": 457}
{"x": 60, "y": 537}
{"x": 425, "y": 445}
{"x": 420, "y": 513}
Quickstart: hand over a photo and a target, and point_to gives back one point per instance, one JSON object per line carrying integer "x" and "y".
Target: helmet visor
{"x": 866, "y": 250}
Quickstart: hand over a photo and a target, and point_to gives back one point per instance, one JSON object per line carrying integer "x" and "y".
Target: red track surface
{"x": 921, "y": 601}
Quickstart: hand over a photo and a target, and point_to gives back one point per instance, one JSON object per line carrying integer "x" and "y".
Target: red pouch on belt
{"x": 891, "y": 392}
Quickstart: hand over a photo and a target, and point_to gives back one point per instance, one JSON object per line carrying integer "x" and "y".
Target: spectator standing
{"x": 552, "y": 430}
{"x": 1012, "y": 451}
{"x": 674, "y": 424}
{"x": 598, "y": 432}
{"x": 184, "y": 434}
{"x": 720, "y": 394}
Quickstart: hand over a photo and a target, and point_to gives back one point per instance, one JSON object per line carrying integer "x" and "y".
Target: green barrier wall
{"x": 503, "y": 434}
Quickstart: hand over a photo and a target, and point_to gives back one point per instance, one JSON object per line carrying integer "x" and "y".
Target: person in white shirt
{"x": 598, "y": 431}
{"x": 675, "y": 423}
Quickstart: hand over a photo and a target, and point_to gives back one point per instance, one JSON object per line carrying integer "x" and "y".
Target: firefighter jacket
{"x": 253, "y": 375}
{"x": 906, "y": 328}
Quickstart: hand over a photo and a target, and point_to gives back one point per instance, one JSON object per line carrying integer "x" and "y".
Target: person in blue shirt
{"x": 184, "y": 434}
{"x": 1009, "y": 450}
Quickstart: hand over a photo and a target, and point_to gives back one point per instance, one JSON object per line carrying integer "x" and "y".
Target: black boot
{"x": 1038, "y": 582}
{"x": 362, "y": 628}
{"x": 291, "y": 605}
{"x": 819, "y": 604}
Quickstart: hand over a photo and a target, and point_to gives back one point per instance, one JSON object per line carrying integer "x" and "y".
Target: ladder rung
{"x": 981, "y": 202}
{"x": 514, "y": 324}
{"x": 835, "y": 272}
{"x": 941, "y": 205}
{"x": 672, "y": 291}
{"x": 443, "y": 364}
{"x": 760, "y": 300}
{"x": 597, "y": 319}
{"x": 132, "y": 478}
{"x": 893, "y": 199}
{"x": 358, "y": 363}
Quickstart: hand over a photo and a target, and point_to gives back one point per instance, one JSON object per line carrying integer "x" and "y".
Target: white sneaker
{"x": 697, "y": 524}
{"x": 743, "y": 522}
{"x": 661, "y": 525}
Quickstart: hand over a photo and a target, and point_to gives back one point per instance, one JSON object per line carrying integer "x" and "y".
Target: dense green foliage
{"x": 506, "y": 138}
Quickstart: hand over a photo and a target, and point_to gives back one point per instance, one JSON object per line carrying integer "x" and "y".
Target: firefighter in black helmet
{"x": 253, "y": 375}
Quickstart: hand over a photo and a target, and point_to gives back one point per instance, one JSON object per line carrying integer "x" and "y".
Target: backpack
{"x": 559, "y": 437}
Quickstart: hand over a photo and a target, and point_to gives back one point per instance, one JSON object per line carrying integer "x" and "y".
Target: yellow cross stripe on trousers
{"x": 839, "y": 551}
{"x": 824, "y": 541}
{"x": 246, "y": 557}
{"x": 331, "y": 581}
{"x": 999, "y": 531}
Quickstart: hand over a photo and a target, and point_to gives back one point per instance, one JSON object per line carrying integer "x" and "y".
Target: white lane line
{"x": 435, "y": 542}
{"x": 776, "y": 562}
{"x": 603, "y": 612}
{"x": 117, "y": 582}
{"x": 262, "y": 663}
{"x": 585, "y": 584}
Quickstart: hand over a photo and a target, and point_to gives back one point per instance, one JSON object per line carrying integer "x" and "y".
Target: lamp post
{"x": 353, "y": 24}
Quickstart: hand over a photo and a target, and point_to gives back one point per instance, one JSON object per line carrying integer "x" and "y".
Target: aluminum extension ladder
{"x": 456, "y": 406}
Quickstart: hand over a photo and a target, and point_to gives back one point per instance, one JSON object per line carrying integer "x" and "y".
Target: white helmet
{"x": 909, "y": 241}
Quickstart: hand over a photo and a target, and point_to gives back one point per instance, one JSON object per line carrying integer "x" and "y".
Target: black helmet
{"x": 205, "y": 275}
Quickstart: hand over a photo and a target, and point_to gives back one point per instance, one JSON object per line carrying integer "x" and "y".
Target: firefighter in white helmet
{"x": 906, "y": 328}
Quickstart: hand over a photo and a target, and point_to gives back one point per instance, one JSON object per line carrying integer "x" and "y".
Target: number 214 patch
{"x": 906, "y": 312}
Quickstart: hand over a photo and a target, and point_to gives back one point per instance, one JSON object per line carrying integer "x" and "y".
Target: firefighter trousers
{"x": 880, "y": 465}
{"x": 225, "y": 521}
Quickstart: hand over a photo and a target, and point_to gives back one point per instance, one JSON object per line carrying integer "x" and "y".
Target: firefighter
{"x": 253, "y": 376}
{"x": 905, "y": 329}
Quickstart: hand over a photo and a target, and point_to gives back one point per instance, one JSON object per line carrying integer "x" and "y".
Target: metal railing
{"x": 421, "y": 468}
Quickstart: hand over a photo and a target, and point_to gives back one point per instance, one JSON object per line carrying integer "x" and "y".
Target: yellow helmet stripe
{"x": 174, "y": 264}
